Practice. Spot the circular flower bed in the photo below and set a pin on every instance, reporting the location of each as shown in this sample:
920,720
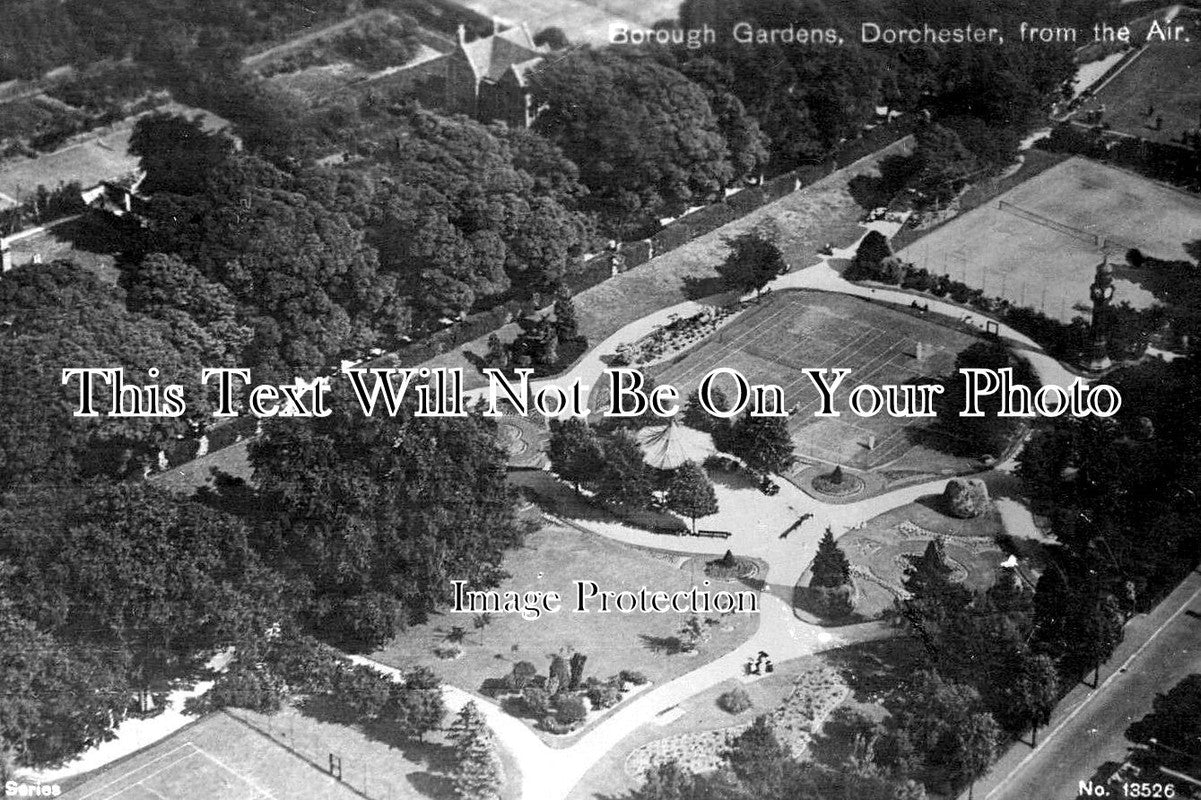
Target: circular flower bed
838,485
741,568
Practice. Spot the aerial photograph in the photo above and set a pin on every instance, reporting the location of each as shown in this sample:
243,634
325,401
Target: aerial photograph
600,399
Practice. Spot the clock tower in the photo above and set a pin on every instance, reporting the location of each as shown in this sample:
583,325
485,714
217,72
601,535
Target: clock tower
1101,293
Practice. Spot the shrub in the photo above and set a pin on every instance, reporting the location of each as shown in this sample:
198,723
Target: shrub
832,602
633,677
536,700
448,651
552,725
570,709
735,701
604,695
523,672
966,498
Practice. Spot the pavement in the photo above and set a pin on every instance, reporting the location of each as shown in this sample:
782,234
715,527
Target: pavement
779,633
1088,728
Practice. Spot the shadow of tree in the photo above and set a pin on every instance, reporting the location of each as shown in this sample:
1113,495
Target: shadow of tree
438,787
662,645
699,288
432,755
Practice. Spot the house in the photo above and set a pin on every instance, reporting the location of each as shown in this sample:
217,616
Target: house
487,78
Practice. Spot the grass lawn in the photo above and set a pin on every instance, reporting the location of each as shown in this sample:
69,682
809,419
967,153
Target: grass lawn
375,761
1165,77
1034,264
218,757
87,241
552,560
878,551
793,330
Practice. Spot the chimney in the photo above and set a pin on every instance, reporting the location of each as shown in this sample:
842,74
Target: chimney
6,256
462,34
495,25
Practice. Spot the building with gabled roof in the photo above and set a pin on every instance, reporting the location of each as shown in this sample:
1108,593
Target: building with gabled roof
486,77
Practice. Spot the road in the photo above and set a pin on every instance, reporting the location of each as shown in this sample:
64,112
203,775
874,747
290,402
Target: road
1089,726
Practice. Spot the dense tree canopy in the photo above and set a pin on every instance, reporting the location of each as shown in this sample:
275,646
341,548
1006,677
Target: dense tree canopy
380,513
645,138
63,316
463,212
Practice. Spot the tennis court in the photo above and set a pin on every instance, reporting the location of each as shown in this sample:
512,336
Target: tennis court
1040,243
791,331
219,758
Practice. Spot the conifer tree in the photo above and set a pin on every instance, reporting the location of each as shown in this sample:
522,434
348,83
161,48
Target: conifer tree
831,568
478,773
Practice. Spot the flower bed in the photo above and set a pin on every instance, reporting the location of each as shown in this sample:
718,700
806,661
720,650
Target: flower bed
815,694
844,487
676,336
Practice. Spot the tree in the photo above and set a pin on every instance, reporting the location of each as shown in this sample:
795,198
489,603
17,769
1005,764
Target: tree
363,690
176,153
831,568
478,773
553,37
570,709
753,261
624,479
498,354
137,570
469,212
691,493
577,670
692,633
308,281
560,672
56,697
872,250
394,504
942,165
977,740
606,109
764,443
64,315
481,622
1035,694
566,326
574,451
523,672
417,704
757,758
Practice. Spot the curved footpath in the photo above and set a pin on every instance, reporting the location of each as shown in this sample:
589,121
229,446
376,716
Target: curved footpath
779,632
822,277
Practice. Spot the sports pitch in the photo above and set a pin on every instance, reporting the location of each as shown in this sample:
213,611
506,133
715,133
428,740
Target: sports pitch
216,759
795,330
1165,78
1049,264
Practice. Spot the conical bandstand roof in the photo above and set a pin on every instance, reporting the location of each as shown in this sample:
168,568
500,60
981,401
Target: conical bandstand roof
669,446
